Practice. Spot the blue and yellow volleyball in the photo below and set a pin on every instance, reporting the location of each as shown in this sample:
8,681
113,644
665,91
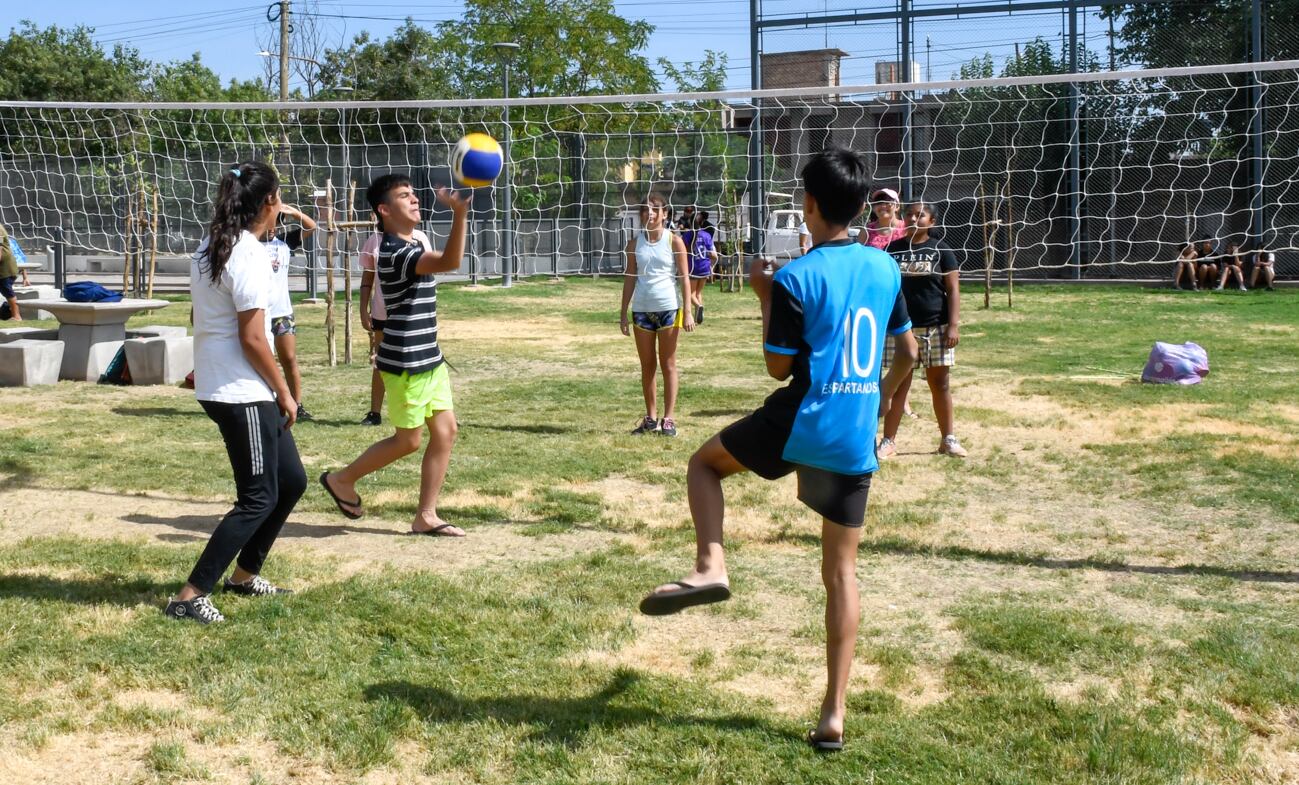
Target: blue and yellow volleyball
476,160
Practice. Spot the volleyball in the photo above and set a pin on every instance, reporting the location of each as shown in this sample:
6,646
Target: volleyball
476,160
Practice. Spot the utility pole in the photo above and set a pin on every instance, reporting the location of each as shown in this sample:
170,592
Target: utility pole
284,49
1075,165
756,176
506,50
904,20
1257,219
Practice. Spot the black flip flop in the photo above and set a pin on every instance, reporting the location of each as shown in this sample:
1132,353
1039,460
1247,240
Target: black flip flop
436,531
823,745
668,602
340,502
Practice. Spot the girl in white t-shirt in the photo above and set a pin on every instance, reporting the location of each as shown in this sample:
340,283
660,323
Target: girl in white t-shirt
240,388
657,287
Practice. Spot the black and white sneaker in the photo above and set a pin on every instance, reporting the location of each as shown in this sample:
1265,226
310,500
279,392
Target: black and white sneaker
373,418
199,609
647,425
257,586
303,414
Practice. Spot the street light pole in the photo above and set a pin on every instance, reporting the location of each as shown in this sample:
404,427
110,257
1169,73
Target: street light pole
507,50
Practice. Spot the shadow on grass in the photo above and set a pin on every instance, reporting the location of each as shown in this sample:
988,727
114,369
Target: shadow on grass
110,589
156,411
962,553
722,412
538,428
205,524
555,720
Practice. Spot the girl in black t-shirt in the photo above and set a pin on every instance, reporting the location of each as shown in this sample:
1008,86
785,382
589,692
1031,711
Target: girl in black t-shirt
932,287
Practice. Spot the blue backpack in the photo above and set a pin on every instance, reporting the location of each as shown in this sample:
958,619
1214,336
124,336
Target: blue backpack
89,292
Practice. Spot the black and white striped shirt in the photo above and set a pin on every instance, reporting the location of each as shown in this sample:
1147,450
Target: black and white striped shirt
410,334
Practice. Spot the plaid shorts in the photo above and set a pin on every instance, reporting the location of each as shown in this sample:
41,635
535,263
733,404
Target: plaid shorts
932,343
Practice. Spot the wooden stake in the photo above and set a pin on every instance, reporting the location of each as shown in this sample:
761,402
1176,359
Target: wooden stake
126,245
1012,241
329,273
987,257
347,277
153,241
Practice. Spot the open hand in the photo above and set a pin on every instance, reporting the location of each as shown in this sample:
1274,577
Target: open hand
458,202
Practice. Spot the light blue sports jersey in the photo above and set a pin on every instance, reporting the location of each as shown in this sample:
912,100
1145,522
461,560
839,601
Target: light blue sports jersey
830,309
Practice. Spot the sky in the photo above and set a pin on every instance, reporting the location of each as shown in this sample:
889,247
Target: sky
226,32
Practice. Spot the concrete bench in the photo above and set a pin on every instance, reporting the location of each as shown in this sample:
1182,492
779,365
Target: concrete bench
158,331
35,293
160,359
29,333
27,363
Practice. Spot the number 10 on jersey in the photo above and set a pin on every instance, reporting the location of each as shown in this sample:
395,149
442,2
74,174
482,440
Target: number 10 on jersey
852,340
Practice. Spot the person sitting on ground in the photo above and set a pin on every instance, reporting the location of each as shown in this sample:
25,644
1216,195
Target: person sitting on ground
1264,267
1206,265
1185,265
1231,266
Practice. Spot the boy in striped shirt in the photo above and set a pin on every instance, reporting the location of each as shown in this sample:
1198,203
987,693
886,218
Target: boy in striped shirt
410,362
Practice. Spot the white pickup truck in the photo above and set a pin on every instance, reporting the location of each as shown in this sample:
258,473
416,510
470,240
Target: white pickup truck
780,237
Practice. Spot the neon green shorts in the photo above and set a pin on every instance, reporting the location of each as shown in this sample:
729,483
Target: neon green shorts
413,398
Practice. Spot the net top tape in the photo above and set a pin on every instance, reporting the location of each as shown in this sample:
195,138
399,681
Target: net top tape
726,95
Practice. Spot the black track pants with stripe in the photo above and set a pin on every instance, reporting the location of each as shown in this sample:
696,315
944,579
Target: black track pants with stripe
269,480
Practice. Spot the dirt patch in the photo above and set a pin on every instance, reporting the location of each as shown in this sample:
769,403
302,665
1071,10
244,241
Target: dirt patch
356,546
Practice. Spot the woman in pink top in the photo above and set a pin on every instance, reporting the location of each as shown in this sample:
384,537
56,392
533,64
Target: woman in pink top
888,225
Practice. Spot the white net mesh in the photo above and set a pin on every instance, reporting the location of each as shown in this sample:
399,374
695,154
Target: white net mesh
1155,158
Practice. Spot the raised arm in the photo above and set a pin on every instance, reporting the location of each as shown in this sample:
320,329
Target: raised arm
308,223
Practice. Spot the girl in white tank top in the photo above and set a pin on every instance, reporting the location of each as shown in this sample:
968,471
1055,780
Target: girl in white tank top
656,285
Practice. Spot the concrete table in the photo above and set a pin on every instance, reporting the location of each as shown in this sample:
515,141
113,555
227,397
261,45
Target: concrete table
91,332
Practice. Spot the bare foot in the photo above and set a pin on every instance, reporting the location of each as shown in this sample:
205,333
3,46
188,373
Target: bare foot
428,522
830,728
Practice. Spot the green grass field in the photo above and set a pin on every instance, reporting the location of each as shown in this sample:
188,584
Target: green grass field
1106,591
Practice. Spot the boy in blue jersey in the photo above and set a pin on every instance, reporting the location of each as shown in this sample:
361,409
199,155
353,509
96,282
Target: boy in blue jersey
824,317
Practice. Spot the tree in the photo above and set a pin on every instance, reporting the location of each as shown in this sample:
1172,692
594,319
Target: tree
65,64
570,47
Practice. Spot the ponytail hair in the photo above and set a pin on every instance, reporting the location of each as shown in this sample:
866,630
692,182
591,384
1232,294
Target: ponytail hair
243,191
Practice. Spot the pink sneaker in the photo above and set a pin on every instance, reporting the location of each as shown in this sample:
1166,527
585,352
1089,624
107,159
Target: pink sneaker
887,449
951,446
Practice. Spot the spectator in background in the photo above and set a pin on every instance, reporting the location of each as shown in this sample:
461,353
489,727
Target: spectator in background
1206,265
1231,266
1185,264
686,222
1264,267
804,238
887,225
